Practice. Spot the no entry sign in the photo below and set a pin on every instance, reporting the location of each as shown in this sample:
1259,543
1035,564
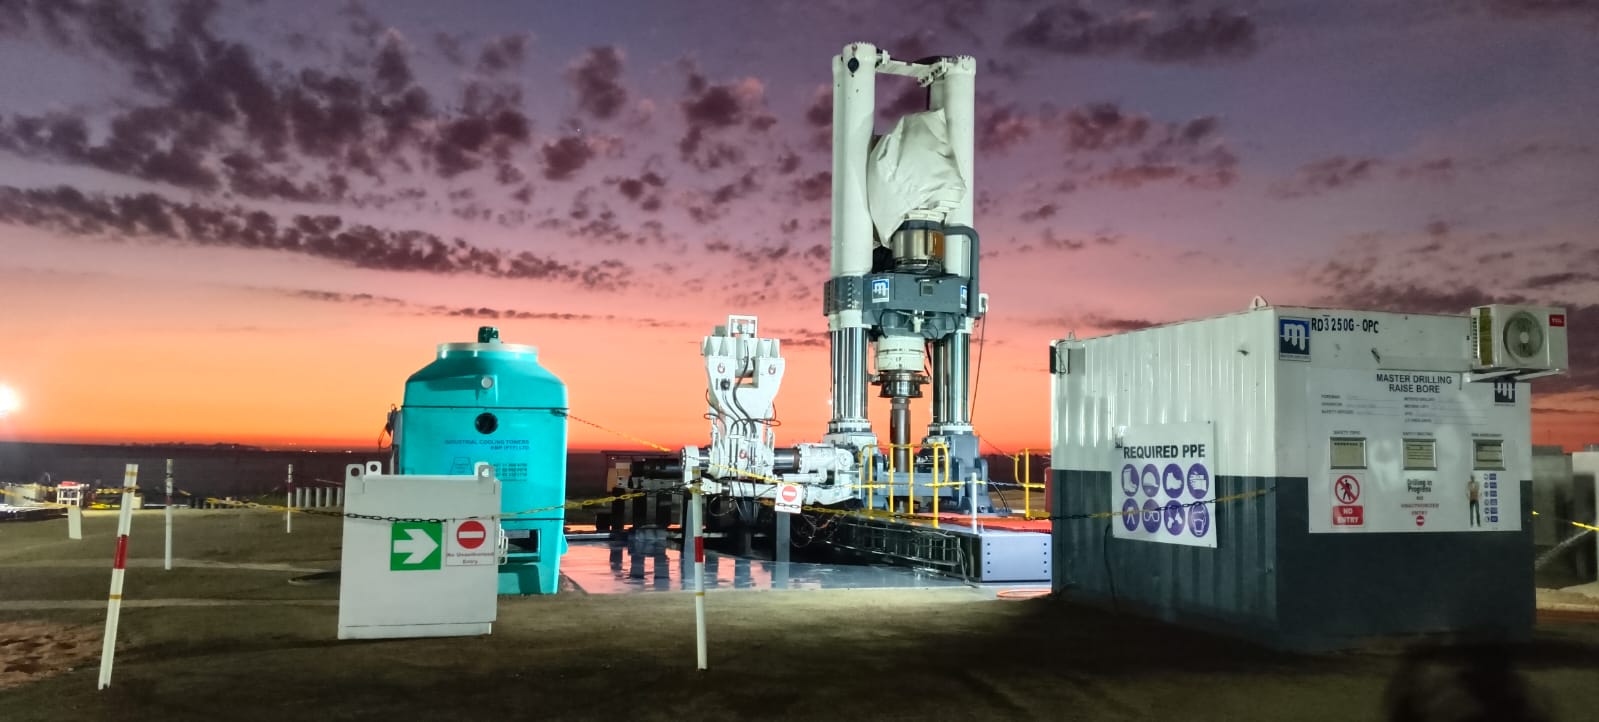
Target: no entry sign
470,534
789,498
470,542
1347,510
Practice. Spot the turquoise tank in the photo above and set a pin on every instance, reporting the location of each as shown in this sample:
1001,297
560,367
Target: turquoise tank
491,401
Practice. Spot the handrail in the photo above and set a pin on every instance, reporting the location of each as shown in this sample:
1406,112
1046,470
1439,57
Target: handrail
942,471
867,472
1024,478
937,447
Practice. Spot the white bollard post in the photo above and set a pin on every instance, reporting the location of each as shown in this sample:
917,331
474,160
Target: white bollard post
74,522
288,511
697,521
338,497
113,611
168,556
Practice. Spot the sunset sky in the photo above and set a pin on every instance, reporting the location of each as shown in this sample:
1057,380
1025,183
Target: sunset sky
249,222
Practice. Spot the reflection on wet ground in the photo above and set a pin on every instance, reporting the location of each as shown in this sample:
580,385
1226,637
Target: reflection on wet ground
620,567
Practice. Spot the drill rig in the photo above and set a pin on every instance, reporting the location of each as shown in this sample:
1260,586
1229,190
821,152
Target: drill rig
902,296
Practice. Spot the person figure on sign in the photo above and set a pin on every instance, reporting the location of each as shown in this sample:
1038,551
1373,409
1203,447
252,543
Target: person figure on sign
1472,493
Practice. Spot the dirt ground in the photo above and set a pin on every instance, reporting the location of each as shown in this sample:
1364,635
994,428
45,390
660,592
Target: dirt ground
224,635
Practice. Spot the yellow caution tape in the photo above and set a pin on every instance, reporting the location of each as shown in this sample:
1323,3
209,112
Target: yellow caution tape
579,504
1578,524
862,513
31,500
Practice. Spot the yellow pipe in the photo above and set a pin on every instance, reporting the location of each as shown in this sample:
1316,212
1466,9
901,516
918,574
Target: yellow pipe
891,478
1025,476
866,469
935,484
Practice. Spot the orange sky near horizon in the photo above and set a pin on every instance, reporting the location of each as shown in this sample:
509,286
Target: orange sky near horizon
217,364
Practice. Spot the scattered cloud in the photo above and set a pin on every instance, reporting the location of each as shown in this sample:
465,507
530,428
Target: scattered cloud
711,111
451,47
1437,170
912,46
565,156
1176,34
1327,175
910,98
799,337
643,190
1562,278
503,54
1108,146
596,77
819,118
593,220
1104,126
1092,322
1048,210
215,116
1544,8
480,312
1001,126
815,187
362,299
71,212
1116,324
1051,241
739,188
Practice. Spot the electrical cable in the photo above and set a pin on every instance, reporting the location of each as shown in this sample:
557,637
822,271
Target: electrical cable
977,385
977,373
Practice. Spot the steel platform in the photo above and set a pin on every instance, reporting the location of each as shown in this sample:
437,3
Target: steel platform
982,555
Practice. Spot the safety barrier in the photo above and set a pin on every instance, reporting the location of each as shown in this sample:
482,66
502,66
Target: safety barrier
318,497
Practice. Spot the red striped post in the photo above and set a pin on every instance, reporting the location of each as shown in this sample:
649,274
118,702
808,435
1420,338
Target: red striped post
697,529
113,611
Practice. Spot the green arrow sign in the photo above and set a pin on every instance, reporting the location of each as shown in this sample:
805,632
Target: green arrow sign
415,546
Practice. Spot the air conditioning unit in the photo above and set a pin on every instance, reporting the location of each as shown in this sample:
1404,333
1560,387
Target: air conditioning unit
1527,341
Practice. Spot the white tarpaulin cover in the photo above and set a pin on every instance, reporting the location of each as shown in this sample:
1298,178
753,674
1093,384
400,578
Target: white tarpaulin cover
912,168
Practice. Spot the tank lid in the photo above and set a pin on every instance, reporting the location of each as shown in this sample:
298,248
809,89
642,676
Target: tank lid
488,340
495,347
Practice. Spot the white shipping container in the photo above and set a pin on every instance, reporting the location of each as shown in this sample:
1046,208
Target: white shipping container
1377,412
1311,478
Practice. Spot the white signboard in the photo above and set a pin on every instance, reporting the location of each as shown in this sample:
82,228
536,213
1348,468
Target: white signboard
1163,480
471,542
1395,451
789,498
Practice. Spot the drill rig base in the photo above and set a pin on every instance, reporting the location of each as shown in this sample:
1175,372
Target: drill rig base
980,556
